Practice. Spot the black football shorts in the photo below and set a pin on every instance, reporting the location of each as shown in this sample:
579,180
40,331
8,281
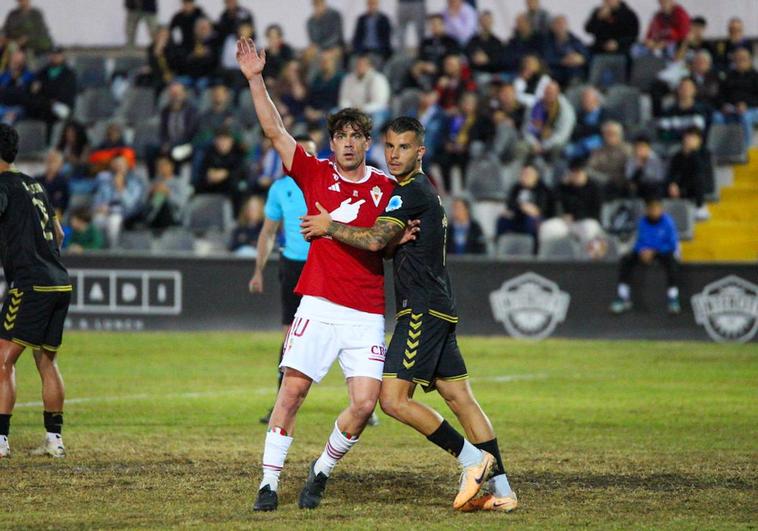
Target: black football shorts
424,349
35,316
289,274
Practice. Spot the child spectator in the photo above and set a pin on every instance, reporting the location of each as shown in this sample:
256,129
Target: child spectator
644,170
167,198
529,202
223,168
656,241
688,170
81,234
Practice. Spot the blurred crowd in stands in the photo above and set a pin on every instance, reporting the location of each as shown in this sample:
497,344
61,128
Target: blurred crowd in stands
532,134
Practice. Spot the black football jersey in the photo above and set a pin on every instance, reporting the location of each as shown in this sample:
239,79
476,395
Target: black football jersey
421,279
28,249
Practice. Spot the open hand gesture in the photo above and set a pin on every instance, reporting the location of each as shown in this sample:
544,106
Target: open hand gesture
250,60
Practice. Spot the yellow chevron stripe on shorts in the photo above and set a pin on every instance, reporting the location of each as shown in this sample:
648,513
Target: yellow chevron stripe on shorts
52,289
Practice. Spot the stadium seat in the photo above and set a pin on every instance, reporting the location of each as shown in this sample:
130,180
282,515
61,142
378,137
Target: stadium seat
91,72
32,138
486,213
727,144
623,103
710,187
607,70
146,133
514,245
574,95
175,240
128,65
620,217
136,240
645,71
396,68
207,212
683,213
559,249
485,181
138,105
94,104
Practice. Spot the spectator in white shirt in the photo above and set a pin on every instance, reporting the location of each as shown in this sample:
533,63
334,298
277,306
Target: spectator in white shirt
367,89
461,21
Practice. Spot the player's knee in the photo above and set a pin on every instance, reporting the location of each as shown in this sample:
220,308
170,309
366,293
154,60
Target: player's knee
392,405
363,407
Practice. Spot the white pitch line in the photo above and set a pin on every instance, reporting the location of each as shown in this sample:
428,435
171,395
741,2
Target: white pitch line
505,378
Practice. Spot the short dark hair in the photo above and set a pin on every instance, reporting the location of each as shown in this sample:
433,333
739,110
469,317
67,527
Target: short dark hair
8,143
699,20
83,213
358,120
642,138
404,124
693,130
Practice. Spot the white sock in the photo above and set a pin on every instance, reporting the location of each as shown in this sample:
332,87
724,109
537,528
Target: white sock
4,439
673,292
53,436
624,291
500,485
470,455
336,448
274,454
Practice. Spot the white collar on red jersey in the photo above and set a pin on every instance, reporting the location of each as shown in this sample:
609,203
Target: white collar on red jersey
366,176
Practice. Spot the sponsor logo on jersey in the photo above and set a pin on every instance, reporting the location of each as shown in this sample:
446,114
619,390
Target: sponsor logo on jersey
335,187
395,202
728,309
376,195
530,306
347,212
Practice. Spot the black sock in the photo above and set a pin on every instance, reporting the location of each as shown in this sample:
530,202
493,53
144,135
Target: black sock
5,424
447,438
492,448
53,421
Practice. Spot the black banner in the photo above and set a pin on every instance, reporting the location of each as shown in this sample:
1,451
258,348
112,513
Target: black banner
518,298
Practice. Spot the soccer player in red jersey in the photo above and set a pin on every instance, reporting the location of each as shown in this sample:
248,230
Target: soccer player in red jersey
341,315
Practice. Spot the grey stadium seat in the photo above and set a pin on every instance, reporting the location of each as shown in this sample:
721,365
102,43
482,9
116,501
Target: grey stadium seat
624,104
514,245
32,138
175,240
620,216
727,144
145,133
683,213
135,240
559,249
485,180
645,71
607,70
91,72
207,212
95,104
396,69
407,103
138,105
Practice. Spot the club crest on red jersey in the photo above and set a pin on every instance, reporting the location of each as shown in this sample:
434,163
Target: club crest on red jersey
376,195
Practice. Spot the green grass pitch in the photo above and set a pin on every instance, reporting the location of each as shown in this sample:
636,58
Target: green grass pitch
162,431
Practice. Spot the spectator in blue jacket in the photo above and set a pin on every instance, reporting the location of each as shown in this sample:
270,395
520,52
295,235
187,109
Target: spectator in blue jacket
656,240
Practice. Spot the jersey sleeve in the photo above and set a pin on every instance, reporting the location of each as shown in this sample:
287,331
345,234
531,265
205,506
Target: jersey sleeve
273,208
405,204
304,167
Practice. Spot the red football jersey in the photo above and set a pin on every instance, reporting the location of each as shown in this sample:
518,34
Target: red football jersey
337,272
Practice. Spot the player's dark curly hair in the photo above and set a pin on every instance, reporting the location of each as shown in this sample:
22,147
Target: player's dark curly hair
8,143
404,124
358,120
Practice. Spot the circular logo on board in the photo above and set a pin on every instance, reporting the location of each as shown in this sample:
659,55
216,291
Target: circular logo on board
728,309
530,306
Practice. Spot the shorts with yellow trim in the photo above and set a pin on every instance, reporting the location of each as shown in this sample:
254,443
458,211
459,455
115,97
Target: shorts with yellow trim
35,316
424,349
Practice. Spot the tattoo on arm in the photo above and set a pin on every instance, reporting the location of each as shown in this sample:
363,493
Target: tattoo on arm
369,238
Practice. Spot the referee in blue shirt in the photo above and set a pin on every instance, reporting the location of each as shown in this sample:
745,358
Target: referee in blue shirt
285,204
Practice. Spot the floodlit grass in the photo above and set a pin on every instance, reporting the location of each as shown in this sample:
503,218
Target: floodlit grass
162,431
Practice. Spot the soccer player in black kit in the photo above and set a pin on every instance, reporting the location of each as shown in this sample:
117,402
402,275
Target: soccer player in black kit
39,292
424,349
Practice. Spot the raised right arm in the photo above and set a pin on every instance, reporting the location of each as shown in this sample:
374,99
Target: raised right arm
251,64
